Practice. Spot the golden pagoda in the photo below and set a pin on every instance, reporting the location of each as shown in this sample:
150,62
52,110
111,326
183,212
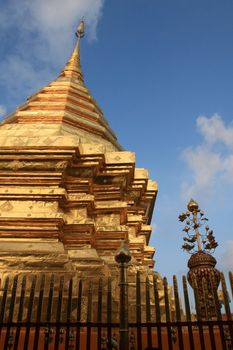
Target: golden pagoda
69,193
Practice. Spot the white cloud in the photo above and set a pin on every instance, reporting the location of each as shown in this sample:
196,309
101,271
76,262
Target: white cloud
56,20
51,18
42,33
57,15
208,164
214,130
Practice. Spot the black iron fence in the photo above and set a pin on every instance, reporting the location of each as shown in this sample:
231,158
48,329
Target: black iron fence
56,312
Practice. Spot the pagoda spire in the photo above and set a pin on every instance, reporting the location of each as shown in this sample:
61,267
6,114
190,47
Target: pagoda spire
72,68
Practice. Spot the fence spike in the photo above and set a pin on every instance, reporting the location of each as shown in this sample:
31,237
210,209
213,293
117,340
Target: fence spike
225,297
11,311
157,311
89,312
29,312
99,312
138,310
231,282
218,311
68,313
186,299
79,313
3,301
188,312
20,311
148,313
167,313
49,313
39,312
177,299
227,306
109,310
58,314
166,299
178,312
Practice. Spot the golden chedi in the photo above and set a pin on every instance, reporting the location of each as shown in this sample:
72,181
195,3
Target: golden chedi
69,193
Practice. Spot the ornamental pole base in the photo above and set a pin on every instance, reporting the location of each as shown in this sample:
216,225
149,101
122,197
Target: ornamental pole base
205,278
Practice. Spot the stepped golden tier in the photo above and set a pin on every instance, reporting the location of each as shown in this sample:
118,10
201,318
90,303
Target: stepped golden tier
69,193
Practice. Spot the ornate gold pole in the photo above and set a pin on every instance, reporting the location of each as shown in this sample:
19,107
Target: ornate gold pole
202,273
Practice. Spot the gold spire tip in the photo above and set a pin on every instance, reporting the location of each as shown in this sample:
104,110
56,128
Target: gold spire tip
80,29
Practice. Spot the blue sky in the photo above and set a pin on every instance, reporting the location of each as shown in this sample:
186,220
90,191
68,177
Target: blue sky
162,72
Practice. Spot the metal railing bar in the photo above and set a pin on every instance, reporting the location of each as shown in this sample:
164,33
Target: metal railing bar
39,312
178,312
167,312
138,311
99,313
58,334
188,313
29,313
148,313
89,314
68,314
79,312
11,311
157,311
20,312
